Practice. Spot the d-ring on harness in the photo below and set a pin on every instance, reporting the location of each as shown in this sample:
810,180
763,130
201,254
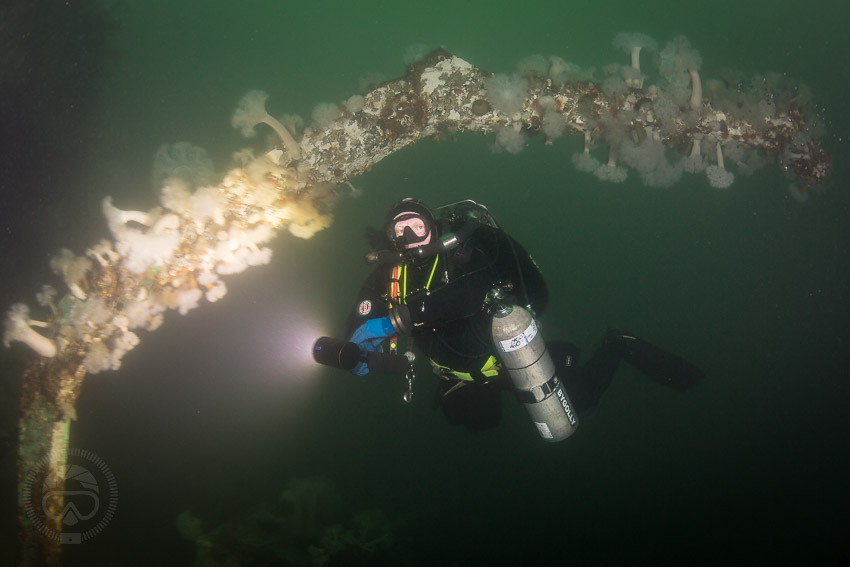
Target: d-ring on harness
410,376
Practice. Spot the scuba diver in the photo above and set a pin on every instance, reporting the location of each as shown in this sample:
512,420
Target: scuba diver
468,295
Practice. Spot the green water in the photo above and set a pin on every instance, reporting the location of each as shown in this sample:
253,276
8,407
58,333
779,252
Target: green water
749,468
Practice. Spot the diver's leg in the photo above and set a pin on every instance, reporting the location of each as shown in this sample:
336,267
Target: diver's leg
584,384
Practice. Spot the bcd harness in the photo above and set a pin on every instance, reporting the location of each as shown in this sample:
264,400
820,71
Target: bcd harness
398,295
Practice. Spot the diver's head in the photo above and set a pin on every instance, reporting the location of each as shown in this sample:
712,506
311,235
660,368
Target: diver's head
410,225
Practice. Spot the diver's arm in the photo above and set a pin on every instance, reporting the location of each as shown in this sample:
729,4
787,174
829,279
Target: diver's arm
370,302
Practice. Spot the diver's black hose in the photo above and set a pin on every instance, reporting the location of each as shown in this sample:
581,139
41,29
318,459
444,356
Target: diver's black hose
386,362
519,270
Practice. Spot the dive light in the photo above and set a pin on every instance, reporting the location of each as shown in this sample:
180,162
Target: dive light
334,352
345,355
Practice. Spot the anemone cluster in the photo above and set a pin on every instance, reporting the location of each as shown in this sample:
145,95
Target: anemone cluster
643,117
169,257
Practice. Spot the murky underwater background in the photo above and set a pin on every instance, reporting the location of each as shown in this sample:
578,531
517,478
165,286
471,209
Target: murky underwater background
220,410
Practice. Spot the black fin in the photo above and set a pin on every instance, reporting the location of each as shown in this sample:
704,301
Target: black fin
659,365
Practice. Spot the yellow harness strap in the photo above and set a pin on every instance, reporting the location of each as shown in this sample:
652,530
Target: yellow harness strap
398,281
490,369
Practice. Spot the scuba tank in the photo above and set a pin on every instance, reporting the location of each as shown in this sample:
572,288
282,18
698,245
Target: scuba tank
524,355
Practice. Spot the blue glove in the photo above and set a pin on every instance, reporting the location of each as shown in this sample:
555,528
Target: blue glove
370,334
368,337
360,369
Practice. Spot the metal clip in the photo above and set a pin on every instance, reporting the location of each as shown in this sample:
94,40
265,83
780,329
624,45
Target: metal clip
410,376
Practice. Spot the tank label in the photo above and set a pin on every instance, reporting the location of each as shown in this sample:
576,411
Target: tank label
565,403
544,431
519,341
